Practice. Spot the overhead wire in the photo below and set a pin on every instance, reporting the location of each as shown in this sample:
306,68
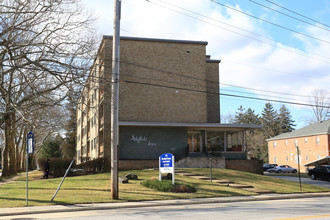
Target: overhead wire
275,44
278,5
204,80
223,94
138,76
290,16
272,23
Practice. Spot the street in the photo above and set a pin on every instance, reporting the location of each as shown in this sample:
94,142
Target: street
307,208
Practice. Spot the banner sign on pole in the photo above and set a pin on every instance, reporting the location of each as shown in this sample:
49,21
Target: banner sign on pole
30,143
166,165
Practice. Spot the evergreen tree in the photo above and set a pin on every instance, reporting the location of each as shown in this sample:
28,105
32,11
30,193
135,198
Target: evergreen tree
270,121
246,116
286,120
51,147
69,145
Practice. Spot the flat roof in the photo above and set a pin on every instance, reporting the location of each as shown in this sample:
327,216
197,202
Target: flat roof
157,40
199,126
319,161
213,61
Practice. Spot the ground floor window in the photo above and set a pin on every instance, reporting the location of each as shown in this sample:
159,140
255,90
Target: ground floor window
215,141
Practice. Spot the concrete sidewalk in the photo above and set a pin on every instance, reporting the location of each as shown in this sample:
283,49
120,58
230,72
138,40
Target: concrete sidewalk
102,206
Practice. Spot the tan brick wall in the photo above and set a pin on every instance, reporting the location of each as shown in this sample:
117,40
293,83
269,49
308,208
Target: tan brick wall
162,65
213,97
310,151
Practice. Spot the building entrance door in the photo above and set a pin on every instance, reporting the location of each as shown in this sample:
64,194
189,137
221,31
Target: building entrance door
195,142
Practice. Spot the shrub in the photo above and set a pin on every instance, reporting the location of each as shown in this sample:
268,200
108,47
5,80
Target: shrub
94,166
167,186
57,166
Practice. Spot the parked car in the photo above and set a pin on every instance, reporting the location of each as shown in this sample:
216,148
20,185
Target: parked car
283,169
267,166
321,171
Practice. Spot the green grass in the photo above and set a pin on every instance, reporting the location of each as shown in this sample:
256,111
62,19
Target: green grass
96,188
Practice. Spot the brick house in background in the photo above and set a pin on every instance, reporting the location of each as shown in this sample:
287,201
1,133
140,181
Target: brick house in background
313,143
168,103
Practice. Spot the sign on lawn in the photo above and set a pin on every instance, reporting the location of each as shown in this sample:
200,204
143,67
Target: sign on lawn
166,165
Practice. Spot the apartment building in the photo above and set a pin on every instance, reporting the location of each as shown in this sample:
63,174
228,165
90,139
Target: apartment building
313,144
168,103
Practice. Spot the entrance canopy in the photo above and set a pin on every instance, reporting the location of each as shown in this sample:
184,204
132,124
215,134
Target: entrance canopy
322,161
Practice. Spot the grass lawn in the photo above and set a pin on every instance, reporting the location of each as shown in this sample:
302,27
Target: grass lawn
96,188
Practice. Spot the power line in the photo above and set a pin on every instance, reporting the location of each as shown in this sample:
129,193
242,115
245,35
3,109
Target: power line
275,44
223,94
272,23
297,13
260,90
208,81
306,22
129,75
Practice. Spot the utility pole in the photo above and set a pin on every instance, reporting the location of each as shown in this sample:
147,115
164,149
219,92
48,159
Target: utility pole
115,100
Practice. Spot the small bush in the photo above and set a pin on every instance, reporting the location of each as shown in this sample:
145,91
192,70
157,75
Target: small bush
57,166
167,186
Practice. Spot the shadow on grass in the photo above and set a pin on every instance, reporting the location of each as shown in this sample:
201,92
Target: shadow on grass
36,200
62,189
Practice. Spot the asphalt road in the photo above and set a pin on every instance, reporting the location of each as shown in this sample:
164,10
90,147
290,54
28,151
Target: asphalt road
317,182
307,208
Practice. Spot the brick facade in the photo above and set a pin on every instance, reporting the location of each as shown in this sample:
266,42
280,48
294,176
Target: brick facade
284,151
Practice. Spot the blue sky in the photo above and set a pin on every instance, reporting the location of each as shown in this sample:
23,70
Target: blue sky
258,59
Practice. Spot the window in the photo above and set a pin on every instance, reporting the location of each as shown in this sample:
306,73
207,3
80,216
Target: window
286,142
318,156
295,142
275,160
305,140
306,157
317,140
287,158
274,144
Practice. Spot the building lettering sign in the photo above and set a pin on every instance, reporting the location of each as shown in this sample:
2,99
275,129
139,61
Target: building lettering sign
142,139
166,165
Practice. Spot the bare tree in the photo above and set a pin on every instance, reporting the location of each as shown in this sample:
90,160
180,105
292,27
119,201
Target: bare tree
46,48
320,102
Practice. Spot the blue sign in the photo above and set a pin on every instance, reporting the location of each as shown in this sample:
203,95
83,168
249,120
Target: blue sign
30,143
166,160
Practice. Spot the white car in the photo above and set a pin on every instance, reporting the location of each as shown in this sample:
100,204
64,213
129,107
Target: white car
283,169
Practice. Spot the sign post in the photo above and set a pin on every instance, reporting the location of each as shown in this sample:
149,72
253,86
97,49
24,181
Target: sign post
298,152
166,165
29,150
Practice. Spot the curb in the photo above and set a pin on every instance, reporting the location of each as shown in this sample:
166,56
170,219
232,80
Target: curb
103,206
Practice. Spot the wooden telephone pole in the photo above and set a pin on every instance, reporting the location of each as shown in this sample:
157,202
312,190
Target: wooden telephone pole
115,100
